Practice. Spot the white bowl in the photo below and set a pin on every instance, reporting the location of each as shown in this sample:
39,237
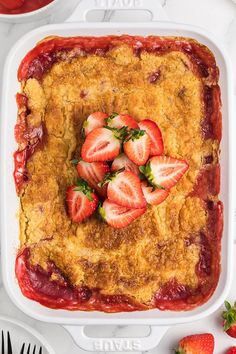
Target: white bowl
33,15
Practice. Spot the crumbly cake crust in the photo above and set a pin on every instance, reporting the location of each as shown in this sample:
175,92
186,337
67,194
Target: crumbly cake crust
163,245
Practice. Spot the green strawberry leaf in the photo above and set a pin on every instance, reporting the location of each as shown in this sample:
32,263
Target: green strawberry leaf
74,161
147,172
82,186
135,134
180,351
229,316
101,211
142,169
85,123
109,177
227,305
119,134
112,116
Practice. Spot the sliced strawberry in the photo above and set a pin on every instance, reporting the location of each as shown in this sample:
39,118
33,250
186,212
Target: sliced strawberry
231,350
94,120
93,173
12,4
157,146
197,344
102,144
124,188
121,120
153,196
81,201
119,216
164,171
229,317
122,161
137,146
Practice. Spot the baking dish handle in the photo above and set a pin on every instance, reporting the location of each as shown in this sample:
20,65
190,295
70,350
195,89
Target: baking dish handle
153,6
116,344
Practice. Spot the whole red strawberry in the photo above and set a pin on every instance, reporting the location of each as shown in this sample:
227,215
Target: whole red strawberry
196,344
231,350
229,317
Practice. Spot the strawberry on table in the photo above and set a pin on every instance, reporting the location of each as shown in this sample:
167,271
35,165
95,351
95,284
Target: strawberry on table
163,171
231,350
137,146
196,344
102,144
119,216
229,317
121,120
94,120
93,173
157,146
81,201
153,196
122,161
124,188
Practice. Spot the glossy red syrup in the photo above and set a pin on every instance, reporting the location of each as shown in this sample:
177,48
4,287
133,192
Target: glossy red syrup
35,284
178,297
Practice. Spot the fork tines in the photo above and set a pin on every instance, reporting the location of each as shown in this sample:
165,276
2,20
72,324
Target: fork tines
6,349
28,350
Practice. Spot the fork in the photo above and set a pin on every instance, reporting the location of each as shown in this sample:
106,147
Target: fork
23,350
6,349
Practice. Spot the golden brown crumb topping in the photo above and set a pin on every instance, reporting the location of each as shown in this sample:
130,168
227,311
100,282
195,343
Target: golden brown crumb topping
139,259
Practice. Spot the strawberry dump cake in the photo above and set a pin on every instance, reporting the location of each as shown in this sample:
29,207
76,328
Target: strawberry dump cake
118,211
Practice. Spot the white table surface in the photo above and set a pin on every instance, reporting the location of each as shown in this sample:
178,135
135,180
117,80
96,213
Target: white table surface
217,16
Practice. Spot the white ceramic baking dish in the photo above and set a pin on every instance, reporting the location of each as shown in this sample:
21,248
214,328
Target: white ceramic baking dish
74,321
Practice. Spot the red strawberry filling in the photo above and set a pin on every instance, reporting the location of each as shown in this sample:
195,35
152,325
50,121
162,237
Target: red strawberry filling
36,284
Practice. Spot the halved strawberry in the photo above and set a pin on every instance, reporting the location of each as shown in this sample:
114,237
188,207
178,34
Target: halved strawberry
153,196
119,216
163,171
122,161
94,120
93,173
12,4
81,201
229,317
102,144
121,120
124,188
231,350
137,146
157,146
